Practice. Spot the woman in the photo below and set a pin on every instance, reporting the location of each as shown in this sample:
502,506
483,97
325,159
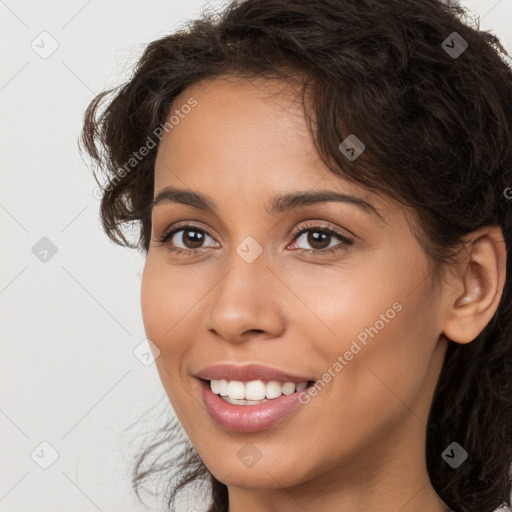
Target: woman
321,189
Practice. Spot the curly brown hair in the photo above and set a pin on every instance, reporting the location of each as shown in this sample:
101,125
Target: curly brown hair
436,118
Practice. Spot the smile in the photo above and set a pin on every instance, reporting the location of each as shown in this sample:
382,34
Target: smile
253,392
246,415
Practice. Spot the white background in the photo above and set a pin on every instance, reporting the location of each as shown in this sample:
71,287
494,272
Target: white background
69,326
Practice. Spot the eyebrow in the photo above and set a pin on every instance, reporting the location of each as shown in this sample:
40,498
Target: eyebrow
278,204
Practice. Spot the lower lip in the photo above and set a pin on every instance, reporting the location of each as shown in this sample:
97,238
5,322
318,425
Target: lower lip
248,418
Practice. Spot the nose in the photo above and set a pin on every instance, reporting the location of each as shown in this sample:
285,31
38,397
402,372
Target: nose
246,301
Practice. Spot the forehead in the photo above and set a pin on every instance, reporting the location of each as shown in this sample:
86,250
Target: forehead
244,138
255,127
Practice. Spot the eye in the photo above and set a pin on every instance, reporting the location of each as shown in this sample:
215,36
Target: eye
189,239
186,238
322,239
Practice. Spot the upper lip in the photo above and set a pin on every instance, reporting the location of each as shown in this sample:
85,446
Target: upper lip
248,372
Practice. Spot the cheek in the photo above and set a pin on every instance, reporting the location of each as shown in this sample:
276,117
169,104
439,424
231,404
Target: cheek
166,303
152,297
390,359
164,318
383,325
171,311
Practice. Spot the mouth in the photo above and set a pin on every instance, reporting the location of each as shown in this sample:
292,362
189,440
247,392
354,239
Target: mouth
254,410
254,392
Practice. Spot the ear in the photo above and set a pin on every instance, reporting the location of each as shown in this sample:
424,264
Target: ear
476,286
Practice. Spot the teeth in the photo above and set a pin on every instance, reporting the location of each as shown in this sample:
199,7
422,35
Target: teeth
254,391
242,402
215,386
223,387
273,389
289,387
236,389
301,386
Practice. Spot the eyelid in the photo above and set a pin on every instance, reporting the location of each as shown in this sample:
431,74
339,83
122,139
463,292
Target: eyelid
184,225
318,225
322,225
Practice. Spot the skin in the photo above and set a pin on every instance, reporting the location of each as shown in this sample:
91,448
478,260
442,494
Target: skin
359,444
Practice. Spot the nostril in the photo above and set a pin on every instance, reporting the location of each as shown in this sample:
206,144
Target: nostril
257,331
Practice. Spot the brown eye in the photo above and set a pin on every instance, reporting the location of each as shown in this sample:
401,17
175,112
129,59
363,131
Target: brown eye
187,238
320,240
317,240
191,238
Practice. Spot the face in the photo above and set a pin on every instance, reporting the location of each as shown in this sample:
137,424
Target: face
335,290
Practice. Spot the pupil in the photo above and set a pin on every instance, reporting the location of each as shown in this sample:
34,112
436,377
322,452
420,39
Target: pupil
193,239
315,238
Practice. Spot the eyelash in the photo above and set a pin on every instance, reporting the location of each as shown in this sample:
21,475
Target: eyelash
344,241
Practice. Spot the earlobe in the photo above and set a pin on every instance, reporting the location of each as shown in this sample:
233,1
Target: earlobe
481,278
